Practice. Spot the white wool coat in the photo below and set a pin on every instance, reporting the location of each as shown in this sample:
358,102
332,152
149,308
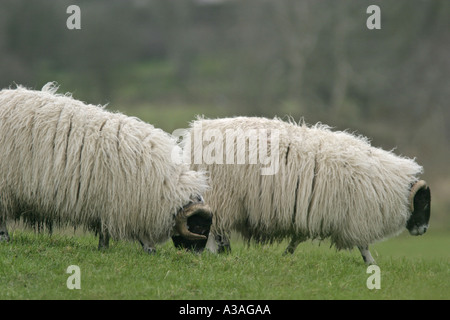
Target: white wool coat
78,164
329,184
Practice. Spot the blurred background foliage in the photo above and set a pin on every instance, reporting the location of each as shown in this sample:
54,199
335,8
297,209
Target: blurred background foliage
166,61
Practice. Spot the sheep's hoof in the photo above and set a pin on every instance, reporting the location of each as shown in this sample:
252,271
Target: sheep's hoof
102,247
367,257
288,251
149,250
371,263
369,260
4,236
224,249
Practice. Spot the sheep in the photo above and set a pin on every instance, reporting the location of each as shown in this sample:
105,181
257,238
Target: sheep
67,163
321,184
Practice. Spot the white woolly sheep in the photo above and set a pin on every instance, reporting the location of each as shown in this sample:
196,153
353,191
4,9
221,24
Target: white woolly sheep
73,164
322,184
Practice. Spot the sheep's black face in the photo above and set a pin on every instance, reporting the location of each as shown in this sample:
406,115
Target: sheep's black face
418,221
196,224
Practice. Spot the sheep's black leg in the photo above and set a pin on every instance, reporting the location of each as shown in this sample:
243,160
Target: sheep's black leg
296,240
223,244
103,240
50,227
365,253
4,236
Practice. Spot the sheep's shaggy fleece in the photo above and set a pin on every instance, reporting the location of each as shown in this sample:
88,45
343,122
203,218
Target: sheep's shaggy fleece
330,184
76,164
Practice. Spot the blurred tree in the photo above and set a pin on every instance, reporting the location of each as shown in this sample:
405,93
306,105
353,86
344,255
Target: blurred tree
306,58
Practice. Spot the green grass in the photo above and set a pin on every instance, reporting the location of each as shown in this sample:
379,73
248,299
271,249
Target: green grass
33,266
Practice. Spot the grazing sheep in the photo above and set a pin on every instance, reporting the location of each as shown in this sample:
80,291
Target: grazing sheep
66,163
324,184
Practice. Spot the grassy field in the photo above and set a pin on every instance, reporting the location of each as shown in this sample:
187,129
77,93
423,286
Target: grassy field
33,266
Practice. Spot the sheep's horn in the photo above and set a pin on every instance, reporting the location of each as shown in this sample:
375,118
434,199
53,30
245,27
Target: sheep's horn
185,213
416,187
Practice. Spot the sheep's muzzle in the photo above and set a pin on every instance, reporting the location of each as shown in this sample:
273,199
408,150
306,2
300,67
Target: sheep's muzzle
194,221
420,205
